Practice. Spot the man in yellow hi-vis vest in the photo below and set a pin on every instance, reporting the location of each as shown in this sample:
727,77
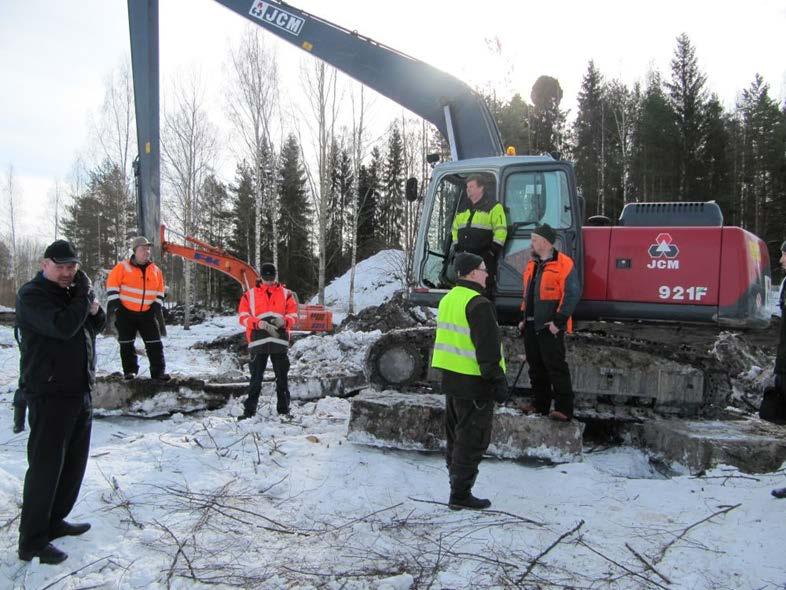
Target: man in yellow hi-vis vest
480,227
468,350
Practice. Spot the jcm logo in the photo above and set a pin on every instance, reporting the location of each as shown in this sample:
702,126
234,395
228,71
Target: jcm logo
207,259
664,253
277,17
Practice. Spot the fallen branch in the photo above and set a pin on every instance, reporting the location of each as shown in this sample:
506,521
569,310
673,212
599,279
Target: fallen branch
622,567
486,511
694,525
76,571
647,564
537,558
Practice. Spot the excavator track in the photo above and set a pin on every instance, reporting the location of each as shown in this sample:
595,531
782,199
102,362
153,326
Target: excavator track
619,370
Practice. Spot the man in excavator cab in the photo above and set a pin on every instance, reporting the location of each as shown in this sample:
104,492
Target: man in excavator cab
480,227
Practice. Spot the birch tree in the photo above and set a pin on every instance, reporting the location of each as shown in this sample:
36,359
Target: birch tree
113,136
188,148
358,148
321,92
11,198
55,196
251,101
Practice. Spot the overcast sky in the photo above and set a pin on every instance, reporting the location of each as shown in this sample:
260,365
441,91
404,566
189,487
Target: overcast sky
55,56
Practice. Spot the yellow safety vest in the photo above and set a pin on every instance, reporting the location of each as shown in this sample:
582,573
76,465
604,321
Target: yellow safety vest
453,347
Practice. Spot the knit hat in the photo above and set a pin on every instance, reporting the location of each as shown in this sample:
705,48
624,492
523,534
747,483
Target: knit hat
466,262
140,241
268,271
61,252
546,232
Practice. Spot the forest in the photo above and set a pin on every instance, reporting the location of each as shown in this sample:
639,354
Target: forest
316,188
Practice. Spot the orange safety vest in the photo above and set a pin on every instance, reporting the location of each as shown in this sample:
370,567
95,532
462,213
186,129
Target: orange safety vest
265,302
552,282
136,288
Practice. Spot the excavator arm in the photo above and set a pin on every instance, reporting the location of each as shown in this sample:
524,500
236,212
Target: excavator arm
458,112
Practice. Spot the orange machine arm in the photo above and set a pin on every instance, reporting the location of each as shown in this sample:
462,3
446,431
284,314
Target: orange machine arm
212,257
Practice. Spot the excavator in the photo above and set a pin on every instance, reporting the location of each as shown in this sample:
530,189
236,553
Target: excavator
663,275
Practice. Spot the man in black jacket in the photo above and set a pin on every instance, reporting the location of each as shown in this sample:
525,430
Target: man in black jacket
58,320
468,349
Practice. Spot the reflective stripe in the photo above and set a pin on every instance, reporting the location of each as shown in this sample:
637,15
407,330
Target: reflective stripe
135,290
124,297
499,242
151,341
112,297
453,327
266,340
125,341
243,313
475,225
454,350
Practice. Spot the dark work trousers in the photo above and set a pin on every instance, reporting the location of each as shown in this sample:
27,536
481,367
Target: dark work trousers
468,433
490,289
549,374
128,323
281,369
57,453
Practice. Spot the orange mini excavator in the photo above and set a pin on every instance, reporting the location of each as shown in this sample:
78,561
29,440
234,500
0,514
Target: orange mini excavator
310,318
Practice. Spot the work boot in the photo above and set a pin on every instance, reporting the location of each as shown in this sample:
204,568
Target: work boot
469,501
162,377
779,493
558,416
47,554
129,376
68,529
246,415
19,419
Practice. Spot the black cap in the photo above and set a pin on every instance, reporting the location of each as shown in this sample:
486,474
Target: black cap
61,252
546,232
268,271
466,262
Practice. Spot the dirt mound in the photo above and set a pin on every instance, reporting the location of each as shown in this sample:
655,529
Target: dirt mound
394,314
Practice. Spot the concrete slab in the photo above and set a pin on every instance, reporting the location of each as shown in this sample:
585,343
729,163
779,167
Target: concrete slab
415,421
753,446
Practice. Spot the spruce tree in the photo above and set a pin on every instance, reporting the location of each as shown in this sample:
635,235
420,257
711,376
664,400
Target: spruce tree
547,121
296,263
241,241
390,214
368,201
688,101
588,130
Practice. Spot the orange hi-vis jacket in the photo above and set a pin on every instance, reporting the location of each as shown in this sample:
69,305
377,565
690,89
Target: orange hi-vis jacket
557,291
266,302
135,287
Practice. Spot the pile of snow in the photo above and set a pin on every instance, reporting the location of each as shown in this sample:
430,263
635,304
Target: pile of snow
376,280
3,308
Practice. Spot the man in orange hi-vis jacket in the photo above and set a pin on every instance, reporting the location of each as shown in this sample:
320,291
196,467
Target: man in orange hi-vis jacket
135,294
268,312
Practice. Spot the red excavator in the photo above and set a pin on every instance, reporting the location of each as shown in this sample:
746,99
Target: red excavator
673,263
310,318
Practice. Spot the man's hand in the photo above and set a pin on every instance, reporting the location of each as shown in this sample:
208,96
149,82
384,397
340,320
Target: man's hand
276,321
268,327
501,393
521,327
82,284
94,307
553,328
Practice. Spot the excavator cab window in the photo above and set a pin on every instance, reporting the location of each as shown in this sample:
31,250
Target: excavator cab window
436,264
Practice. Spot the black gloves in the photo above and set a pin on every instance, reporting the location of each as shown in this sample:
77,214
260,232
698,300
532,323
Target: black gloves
501,393
83,286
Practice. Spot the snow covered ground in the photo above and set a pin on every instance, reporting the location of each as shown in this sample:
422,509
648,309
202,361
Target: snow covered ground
203,501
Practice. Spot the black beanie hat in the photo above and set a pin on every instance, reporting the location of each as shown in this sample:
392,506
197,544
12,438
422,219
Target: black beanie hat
268,271
546,232
466,262
61,252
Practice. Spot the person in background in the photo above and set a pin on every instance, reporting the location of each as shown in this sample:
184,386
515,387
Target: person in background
58,319
268,312
135,295
551,292
468,350
480,227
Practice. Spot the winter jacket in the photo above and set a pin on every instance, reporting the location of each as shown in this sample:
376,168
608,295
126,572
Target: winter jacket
480,228
57,339
485,335
135,286
553,288
271,303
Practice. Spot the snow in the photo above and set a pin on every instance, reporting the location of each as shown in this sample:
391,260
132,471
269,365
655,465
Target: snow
202,500
3,308
377,279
